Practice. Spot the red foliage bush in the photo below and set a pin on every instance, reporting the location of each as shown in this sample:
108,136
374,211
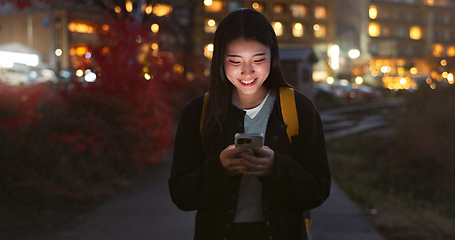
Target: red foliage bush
154,103
95,135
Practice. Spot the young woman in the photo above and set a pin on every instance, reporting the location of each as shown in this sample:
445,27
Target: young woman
237,195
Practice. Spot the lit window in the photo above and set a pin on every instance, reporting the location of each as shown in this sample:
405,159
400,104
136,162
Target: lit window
258,6
450,78
437,50
149,9
373,12
298,10
320,12
129,6
213,5
374,29
451,51
208,51
415,33
210,26
278,27
297,30
81,51
279,8
334,56
320,30
161,10
80,27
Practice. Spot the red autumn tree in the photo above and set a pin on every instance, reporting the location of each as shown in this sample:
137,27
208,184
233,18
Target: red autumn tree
99,131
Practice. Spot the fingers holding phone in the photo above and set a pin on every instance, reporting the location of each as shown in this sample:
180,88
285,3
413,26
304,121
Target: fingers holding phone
231,161
261,164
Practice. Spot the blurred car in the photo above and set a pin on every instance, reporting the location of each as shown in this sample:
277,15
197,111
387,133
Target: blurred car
364,92
21,74
15,75
41,75
343,89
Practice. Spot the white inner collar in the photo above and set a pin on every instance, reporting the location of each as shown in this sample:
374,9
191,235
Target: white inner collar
254,111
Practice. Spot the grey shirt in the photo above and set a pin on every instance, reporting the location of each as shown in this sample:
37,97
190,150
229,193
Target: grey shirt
249,203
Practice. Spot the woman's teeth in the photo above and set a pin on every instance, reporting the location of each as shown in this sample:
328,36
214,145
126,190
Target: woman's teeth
247,82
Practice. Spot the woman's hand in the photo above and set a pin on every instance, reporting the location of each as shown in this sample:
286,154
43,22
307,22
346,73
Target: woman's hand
231,160
261,164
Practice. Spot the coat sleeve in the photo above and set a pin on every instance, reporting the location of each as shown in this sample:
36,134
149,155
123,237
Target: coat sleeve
196,179
303,177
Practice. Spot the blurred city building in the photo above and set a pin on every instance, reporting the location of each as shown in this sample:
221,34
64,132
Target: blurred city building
401,43
62,33
60,36
395,44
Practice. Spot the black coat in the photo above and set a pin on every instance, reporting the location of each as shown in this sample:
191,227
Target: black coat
300,181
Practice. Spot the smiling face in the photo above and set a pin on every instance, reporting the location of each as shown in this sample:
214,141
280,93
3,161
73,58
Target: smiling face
247,66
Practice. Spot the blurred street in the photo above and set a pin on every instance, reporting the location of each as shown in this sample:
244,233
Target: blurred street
145,210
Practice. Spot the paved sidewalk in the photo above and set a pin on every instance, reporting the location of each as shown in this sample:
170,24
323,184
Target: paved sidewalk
340,219
145,212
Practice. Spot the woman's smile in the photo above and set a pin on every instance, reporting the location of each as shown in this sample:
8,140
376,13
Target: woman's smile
248,82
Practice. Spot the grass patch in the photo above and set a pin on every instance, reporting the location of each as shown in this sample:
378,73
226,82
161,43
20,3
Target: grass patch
398,211
404,182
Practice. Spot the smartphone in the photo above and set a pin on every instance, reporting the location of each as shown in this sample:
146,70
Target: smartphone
249,140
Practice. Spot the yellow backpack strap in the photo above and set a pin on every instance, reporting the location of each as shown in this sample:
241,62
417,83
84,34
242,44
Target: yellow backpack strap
289,111
204,106
307,218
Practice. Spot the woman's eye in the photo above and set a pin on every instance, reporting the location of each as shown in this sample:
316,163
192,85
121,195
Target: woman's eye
234,62
259,60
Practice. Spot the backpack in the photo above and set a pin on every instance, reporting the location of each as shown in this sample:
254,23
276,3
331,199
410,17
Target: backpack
289,112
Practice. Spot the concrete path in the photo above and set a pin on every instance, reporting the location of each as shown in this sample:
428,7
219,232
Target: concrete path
145,212
340,219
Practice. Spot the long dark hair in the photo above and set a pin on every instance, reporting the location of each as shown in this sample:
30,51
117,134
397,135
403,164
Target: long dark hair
250,25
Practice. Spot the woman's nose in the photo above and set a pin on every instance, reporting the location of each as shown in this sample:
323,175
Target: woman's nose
247,68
